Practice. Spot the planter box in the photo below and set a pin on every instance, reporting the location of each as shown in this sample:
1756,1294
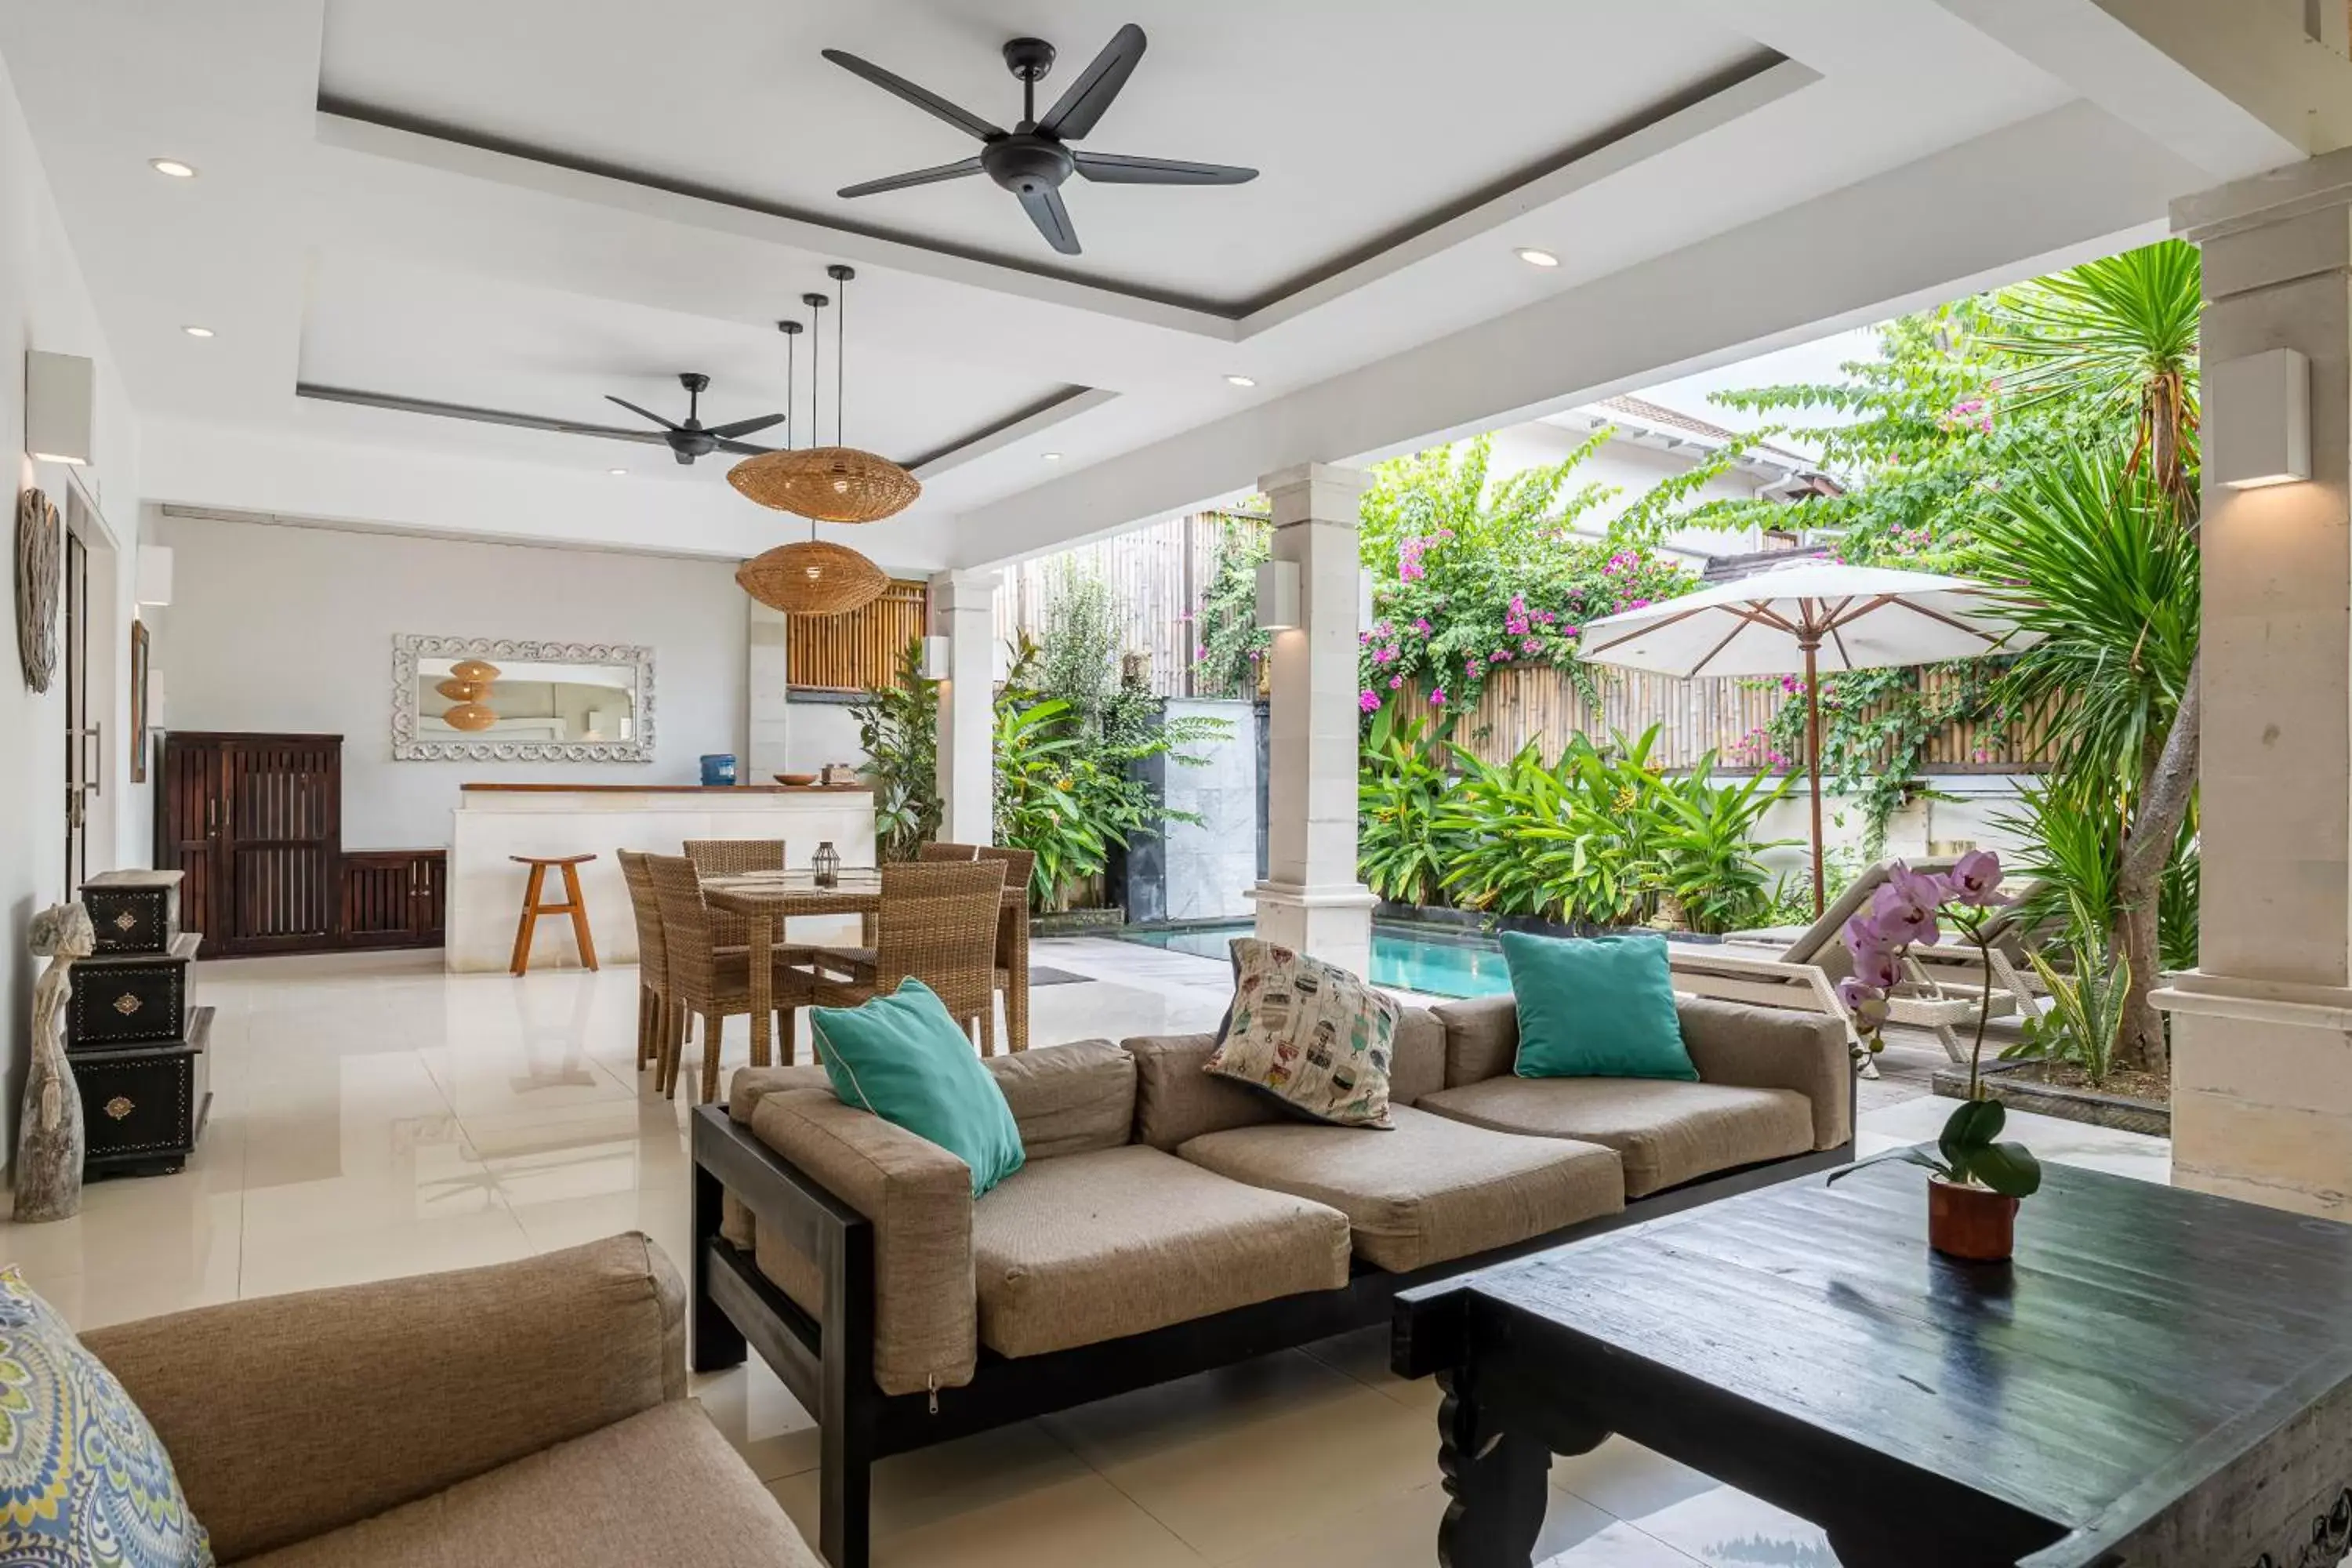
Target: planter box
1078,922
2011,1083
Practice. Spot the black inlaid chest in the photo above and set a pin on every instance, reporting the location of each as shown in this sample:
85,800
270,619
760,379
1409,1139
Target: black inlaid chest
143,1106
134,911
130,998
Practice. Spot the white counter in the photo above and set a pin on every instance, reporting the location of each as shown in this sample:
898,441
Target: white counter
493,822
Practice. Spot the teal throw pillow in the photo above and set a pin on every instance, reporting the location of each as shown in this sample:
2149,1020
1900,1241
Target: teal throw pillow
1595,1007
84,1480
902,1057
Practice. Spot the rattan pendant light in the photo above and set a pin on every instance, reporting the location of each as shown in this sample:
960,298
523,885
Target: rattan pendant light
812,577
828,484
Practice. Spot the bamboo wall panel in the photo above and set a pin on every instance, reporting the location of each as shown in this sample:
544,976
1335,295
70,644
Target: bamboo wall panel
1728,716
860,649
1156,574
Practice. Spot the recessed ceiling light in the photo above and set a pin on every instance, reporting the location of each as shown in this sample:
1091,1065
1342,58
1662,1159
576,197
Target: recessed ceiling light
1051,457
618,473
197,331
1242,379
1534,257
172,167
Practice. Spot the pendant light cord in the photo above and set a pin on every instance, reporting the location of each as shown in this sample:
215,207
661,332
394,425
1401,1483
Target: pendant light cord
840,362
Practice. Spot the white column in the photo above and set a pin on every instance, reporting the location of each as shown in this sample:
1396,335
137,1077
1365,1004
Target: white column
2262,1027
963,609
1311,899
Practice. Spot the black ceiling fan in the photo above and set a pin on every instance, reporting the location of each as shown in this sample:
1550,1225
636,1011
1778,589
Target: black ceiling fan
694,439
1033,158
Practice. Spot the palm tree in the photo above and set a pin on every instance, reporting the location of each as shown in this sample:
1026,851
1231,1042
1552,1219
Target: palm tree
2110,552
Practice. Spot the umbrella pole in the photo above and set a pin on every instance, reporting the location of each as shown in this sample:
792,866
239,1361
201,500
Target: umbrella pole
1813,766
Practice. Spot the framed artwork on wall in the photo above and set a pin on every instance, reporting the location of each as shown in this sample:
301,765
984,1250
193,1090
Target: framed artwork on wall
137,701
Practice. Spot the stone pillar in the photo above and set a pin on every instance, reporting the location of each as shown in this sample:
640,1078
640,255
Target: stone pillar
1311,899
963,609
2262,1027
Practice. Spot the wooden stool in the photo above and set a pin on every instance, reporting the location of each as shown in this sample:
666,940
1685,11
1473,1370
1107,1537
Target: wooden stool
572,905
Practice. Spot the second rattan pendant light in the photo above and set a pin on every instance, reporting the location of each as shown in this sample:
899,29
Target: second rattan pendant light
811,578
828,484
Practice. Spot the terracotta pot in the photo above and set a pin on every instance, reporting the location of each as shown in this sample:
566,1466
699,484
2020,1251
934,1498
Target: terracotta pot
1972,1223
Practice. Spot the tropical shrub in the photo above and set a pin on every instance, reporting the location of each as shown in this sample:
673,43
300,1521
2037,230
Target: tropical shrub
898,728
1706,847
1401,853
1231,646
2086,1014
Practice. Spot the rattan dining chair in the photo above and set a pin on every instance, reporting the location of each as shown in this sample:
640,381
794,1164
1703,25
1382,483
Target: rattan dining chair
935,853
1019,864
709,981
732,857
658,1015
937,925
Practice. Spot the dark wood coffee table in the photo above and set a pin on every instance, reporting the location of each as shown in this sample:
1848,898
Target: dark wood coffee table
2160,1379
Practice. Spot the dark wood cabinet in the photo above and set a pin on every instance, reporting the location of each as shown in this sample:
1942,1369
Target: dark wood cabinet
255,822
394,898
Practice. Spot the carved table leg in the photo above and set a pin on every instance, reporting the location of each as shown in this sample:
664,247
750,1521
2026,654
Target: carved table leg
1495,1477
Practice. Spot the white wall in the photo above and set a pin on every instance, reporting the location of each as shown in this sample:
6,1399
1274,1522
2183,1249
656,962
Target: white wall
282,629
45,305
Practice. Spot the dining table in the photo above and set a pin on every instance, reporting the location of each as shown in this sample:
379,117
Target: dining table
766,900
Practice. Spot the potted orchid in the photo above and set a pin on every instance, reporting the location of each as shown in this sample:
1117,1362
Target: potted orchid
1976,1182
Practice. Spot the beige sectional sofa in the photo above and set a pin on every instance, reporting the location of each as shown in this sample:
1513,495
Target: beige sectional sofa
528,1413
1167,1220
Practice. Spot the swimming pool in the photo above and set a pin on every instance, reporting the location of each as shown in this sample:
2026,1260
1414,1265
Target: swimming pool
1410,958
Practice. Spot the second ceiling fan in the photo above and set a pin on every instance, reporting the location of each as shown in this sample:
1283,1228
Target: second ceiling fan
1034,157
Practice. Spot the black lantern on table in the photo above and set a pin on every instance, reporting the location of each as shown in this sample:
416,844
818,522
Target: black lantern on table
826,865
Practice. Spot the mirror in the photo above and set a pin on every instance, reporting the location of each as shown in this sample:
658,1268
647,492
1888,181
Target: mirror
482,699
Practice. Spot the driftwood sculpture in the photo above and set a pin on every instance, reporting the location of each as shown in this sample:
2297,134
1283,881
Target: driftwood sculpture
49,1143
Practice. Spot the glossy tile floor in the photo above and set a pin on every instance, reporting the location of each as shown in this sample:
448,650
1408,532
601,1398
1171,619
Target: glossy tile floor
375,1117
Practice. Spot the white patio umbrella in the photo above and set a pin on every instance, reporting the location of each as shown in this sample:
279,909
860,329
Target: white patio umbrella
1809,617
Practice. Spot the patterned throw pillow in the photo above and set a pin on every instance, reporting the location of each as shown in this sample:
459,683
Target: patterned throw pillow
84,1480
1313,1035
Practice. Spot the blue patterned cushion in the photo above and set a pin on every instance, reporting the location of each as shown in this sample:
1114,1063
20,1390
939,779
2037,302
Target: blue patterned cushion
84,1480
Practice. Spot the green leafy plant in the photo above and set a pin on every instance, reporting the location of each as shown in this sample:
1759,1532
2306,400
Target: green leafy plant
898,728
1706,847
2086,1014
1078,657
1226,658
1402,851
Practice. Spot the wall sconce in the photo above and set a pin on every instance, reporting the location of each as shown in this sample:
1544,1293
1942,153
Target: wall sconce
2258,420
59,398
1277,594
154,574
938,658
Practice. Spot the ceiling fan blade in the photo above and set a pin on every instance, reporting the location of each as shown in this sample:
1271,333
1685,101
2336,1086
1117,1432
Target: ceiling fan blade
642,413
741,448
1044,208
1074,113
1120,169
744,427
922,98
918,177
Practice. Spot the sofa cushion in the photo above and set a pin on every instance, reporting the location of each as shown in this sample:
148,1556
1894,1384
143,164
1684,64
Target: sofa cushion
1314,1036
1068,1100
1482,1038
1597,1007
1117,1241
660,1486
1176,1100
919,1198
1667,1133
907,1059
1430,1191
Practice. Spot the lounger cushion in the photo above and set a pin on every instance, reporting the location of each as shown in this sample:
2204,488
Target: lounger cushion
1667,1133
1430,1189
1098,1245
660,1486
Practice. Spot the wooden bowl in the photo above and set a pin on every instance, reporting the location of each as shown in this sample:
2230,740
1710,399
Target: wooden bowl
796,780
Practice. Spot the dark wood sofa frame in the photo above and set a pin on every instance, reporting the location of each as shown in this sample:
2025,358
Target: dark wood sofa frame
828,1365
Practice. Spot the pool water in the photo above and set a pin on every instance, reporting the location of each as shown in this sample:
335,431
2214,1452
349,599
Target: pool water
1436,963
